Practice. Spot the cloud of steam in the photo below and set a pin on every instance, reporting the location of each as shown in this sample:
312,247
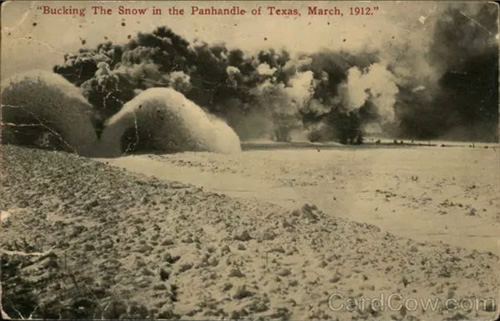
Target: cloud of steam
375,84
285,99
265,70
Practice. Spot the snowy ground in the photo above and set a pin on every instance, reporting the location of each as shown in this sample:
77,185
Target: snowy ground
265,235
425,193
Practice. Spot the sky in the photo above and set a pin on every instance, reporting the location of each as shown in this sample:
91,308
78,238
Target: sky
32,40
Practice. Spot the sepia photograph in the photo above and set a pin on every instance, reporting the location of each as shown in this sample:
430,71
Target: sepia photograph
250,160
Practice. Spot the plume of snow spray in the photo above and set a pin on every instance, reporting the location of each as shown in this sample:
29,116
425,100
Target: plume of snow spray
40,104
162,119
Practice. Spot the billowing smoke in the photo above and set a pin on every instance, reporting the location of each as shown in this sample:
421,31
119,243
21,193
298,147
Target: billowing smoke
447,87
162,119
282,103
43,109
375,84
460,98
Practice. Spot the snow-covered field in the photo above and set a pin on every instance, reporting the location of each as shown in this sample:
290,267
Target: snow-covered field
281,234
426,193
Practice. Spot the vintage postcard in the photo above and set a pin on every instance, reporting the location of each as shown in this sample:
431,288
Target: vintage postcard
249,160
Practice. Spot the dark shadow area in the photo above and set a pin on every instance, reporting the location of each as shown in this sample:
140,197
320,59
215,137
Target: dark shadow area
29,132
137,141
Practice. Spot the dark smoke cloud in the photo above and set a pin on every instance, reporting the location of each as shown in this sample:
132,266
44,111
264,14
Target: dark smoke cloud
463,103
448,89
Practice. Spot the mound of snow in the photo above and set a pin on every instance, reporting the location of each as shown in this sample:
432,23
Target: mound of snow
40,105
162,119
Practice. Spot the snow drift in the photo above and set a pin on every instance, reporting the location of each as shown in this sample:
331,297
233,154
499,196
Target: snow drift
162,119
40,105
